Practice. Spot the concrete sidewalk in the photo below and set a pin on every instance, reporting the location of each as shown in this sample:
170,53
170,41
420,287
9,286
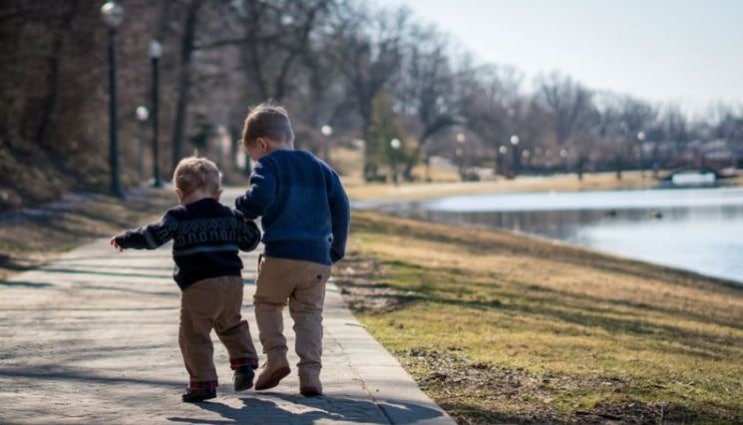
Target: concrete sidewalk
92,339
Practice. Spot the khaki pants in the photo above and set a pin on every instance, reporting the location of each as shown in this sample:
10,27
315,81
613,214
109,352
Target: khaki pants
213,304
302,284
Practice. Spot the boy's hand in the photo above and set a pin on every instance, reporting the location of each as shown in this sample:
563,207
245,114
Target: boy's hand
114,244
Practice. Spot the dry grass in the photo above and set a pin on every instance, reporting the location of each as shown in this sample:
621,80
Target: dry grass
555,333
561,183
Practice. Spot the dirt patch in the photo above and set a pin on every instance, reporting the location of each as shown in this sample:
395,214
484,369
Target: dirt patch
362,292
463,387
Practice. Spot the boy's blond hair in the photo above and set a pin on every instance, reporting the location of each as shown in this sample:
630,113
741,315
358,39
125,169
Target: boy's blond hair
197,173
268,121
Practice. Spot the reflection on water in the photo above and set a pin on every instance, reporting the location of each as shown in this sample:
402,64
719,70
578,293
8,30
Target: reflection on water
698,230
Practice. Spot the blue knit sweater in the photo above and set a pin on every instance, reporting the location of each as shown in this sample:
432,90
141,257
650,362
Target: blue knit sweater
304,210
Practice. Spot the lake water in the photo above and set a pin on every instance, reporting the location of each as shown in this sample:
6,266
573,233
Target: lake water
700,230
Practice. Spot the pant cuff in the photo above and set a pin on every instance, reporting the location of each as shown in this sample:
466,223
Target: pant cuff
243,361
205,385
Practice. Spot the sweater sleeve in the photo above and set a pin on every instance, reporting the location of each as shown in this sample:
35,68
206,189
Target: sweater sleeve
248,234
150,236
261,194
340,215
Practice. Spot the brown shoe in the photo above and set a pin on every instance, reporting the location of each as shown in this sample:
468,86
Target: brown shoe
309,384
272,372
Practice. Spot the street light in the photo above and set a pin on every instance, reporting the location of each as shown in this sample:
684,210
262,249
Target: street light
155,53
113,13
564,156
461,138
641,140
515,143
327,131
395,144
142,115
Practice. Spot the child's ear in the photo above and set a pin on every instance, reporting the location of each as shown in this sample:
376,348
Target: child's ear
218,193
179,193
262,144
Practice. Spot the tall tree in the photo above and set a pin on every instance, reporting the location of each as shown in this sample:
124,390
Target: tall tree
188,43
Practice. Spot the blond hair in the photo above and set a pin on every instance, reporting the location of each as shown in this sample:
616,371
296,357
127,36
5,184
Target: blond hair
196,173
268,121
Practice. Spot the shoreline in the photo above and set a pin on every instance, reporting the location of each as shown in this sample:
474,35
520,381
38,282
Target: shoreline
406,208
418,191
558,242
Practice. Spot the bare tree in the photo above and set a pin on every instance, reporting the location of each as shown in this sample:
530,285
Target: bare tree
425,88
368,51
568,102
188,43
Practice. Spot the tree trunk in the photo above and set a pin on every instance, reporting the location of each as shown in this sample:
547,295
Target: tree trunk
51,98
184,79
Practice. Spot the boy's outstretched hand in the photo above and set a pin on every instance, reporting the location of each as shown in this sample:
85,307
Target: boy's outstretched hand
114,244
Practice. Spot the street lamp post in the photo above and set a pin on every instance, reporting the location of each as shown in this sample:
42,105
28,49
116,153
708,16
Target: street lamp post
515,152
461,138
142,115
564,155
327,131
502,151
395,144
641,142
155,53
113,13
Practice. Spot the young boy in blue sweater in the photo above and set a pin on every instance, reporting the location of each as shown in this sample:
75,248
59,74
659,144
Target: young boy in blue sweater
305,216
206,237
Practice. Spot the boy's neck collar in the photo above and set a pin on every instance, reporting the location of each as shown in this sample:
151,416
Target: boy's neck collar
196,197
280,147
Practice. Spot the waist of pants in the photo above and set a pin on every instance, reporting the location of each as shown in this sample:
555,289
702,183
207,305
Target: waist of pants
299,250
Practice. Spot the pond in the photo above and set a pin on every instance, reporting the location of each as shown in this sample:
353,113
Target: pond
700,230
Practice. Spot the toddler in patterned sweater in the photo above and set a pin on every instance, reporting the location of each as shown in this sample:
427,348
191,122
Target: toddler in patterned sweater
206,238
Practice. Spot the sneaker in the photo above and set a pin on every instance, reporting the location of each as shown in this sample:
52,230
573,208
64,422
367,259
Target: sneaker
195,395
272,373
243,378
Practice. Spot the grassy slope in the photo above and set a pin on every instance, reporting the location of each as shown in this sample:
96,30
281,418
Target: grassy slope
30,242
497,326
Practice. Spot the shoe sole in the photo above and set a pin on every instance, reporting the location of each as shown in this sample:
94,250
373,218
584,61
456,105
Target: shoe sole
243,387
199,399
274,379
310,392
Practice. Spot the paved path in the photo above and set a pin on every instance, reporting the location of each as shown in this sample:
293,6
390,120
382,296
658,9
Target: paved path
92,339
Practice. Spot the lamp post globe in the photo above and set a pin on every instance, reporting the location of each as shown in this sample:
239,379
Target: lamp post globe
142,113
112,13
156,49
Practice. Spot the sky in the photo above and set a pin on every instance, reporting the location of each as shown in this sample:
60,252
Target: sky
688,52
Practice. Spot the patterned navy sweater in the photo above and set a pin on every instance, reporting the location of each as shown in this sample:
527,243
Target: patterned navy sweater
304,210
206,237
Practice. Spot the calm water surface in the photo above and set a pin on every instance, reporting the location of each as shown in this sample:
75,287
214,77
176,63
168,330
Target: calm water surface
694,229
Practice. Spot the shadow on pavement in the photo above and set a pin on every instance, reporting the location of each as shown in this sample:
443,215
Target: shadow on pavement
310,410
69,374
